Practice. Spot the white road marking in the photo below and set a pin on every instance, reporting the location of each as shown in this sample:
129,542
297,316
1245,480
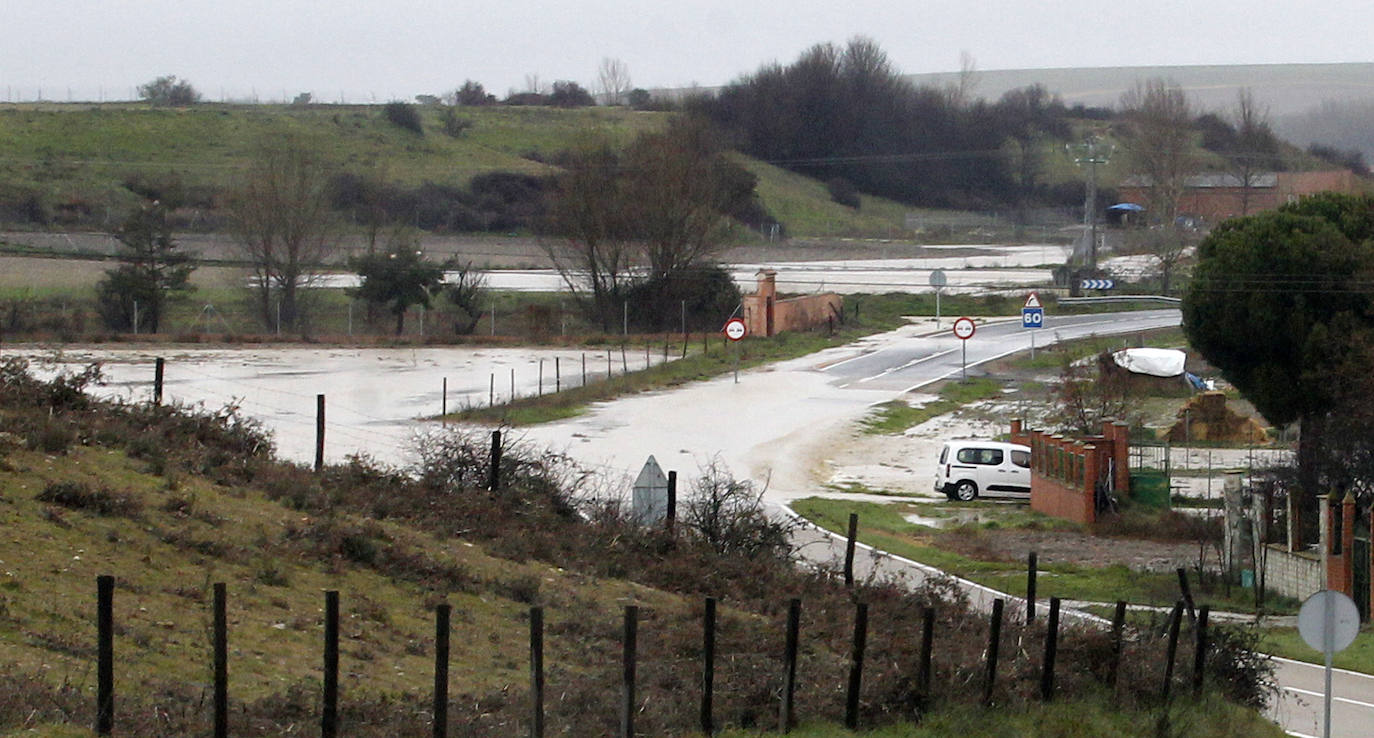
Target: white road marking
1310,693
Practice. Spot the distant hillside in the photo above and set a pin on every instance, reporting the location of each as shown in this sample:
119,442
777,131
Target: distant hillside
1308,103
1284,88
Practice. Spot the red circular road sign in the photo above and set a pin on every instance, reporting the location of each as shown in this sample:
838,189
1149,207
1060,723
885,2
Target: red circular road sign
735,329
963,328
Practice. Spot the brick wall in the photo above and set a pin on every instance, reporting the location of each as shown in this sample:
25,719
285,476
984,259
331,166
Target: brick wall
1338,518
1064,471
765,315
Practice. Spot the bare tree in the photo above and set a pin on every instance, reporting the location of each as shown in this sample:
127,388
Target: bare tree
960,93
681,189
613,81
647,216
285,225
1255,150
1161,142
586,234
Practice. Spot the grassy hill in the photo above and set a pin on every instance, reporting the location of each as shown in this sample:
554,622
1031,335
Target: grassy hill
76,159
170,502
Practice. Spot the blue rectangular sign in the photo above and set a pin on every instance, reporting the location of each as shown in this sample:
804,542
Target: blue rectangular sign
1032,317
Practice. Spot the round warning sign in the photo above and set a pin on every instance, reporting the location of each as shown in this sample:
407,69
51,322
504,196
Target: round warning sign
735,329
963,328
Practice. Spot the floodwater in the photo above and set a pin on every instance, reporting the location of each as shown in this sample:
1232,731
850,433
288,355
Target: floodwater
376,399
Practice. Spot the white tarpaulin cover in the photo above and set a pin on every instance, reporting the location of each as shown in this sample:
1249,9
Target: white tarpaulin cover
1156,362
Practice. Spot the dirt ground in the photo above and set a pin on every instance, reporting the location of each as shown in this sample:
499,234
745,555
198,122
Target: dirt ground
1072,547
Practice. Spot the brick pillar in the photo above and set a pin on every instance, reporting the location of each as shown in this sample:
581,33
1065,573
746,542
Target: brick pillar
1337,564
1348,542
1015,429
1089,482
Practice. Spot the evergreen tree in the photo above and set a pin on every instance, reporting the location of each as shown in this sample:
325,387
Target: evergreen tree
153,271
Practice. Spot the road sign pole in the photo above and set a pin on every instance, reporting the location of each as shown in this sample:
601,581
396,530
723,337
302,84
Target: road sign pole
937,310
1032,345
963,361
1329,646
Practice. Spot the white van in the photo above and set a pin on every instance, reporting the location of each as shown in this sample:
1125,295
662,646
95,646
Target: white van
971,469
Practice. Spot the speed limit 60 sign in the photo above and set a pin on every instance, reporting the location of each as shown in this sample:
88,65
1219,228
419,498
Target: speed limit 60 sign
963,328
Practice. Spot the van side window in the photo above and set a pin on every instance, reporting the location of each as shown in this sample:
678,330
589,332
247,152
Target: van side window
987,456
1021,459
944,454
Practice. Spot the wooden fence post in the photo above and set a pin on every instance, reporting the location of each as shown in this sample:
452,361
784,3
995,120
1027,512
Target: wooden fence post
557,374
329,719
849,550
1051,651
1030,587
789,660
104,651
221,647
856,666
494,477
708,665
442,615
158,367
1200,646
923,671
1187,593
1118,625
319,432
670,519
994,639
536,672
627,673
1172,651
443,406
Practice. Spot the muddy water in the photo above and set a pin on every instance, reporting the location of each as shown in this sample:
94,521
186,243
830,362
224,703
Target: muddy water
376,400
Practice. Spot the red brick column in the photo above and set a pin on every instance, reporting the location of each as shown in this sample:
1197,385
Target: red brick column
1348,542
1089,481
1337,564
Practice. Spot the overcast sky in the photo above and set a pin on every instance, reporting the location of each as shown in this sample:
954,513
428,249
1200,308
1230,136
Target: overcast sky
395,49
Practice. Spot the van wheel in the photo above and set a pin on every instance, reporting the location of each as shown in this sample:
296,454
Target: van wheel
965,491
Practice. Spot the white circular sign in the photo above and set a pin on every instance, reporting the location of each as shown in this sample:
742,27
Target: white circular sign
963,328
735,329
1344,619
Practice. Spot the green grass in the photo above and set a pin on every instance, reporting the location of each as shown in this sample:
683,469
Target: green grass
1287,643
883,526
896,416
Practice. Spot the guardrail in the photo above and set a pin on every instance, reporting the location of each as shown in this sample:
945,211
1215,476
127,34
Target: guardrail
1118,298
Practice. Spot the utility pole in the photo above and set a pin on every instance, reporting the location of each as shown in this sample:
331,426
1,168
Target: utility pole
1091,152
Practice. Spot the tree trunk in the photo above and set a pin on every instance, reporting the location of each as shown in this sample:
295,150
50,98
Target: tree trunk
400,321
1310,427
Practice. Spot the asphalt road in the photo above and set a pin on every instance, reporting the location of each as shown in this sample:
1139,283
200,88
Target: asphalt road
907,365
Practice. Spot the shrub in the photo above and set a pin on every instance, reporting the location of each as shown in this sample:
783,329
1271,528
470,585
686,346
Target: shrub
80,496
404,115
843,192
454,126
